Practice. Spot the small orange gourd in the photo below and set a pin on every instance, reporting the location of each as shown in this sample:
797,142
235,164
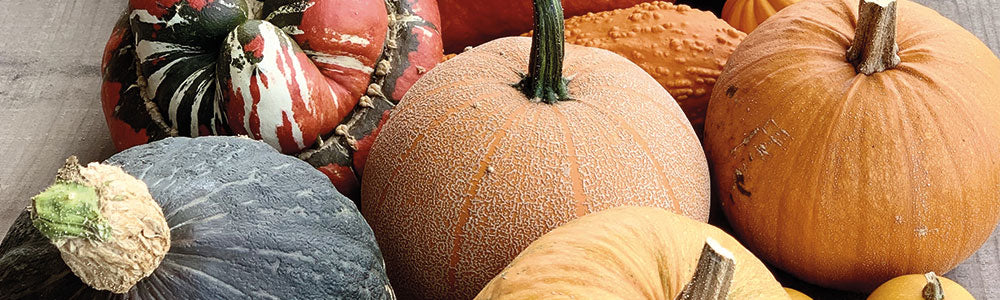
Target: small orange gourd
631,253
683,48
920,287
848,149
495,147
745,15
796,295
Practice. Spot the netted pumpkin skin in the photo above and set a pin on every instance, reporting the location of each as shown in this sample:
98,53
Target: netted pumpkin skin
625,253
683,48
468,171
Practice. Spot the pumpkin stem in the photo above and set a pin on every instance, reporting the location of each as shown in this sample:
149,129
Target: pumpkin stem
712,276
933,291
68,208
874,47
545,80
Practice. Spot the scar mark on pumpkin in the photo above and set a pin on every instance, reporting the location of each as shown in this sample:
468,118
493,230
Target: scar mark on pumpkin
731,91
740,181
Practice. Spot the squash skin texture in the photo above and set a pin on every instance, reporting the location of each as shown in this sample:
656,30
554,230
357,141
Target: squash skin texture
625,253
746,15
683,48
847,180
909,287
246,222
466,24
474,171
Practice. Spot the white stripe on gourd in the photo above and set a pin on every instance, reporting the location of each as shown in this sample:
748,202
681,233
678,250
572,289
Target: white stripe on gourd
343,61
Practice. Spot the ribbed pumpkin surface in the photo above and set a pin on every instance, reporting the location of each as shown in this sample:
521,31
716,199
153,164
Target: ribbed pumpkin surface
625,253
468,171
847,180
745,15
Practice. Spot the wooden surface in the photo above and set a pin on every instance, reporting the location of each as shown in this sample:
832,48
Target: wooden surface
50,55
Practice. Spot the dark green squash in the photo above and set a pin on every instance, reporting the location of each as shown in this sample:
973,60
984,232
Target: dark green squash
245,222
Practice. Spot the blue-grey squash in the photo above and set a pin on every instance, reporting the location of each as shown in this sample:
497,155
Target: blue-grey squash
241,221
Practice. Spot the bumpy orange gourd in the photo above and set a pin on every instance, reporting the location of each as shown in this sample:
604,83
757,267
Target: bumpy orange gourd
469,170
845,179
915,286
625,253
683,48
745,15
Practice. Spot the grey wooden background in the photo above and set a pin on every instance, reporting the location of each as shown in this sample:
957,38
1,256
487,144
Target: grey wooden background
50,56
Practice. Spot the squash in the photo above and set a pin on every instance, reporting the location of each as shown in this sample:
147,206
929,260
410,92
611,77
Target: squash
478,159
796,295
685,49
927,286
745,15
312,77
240,220
466,24
630,253
848,168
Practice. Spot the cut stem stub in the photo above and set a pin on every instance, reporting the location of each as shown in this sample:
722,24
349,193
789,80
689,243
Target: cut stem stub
933,290
874,48
713,275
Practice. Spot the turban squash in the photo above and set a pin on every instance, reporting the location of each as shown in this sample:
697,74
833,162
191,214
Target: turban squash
310,77
683,48
850,167
240,220
470,23
478,159
628,253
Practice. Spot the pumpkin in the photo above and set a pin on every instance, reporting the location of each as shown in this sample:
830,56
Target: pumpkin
685,49
630,253
796,295
495,147
927,286
850,167
745,15
309,77
240,220
465,24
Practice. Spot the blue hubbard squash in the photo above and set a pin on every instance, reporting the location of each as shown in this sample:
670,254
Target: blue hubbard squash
240,220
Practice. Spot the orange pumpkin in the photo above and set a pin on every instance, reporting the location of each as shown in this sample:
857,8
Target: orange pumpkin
745,15
683,48
479,159
629,253
847,174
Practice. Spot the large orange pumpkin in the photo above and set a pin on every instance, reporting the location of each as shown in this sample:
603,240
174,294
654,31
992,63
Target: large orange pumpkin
745,15
847,174
479,159
629,253
683,48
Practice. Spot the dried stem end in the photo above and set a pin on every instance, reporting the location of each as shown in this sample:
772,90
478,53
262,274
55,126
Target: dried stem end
104,222
933,290
713,275
874,47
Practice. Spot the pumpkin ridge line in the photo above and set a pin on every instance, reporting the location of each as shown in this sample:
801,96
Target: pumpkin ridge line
642,143
465,210
437,122
204,275
662,104
574,173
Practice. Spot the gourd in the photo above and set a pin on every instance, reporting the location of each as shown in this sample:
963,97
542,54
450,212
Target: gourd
495,147
309,77
634,253
466,24
683,48
240,220
850,167
927,286
797,295
745,15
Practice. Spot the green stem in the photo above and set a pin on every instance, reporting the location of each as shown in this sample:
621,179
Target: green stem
69,209
545,80
933,290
